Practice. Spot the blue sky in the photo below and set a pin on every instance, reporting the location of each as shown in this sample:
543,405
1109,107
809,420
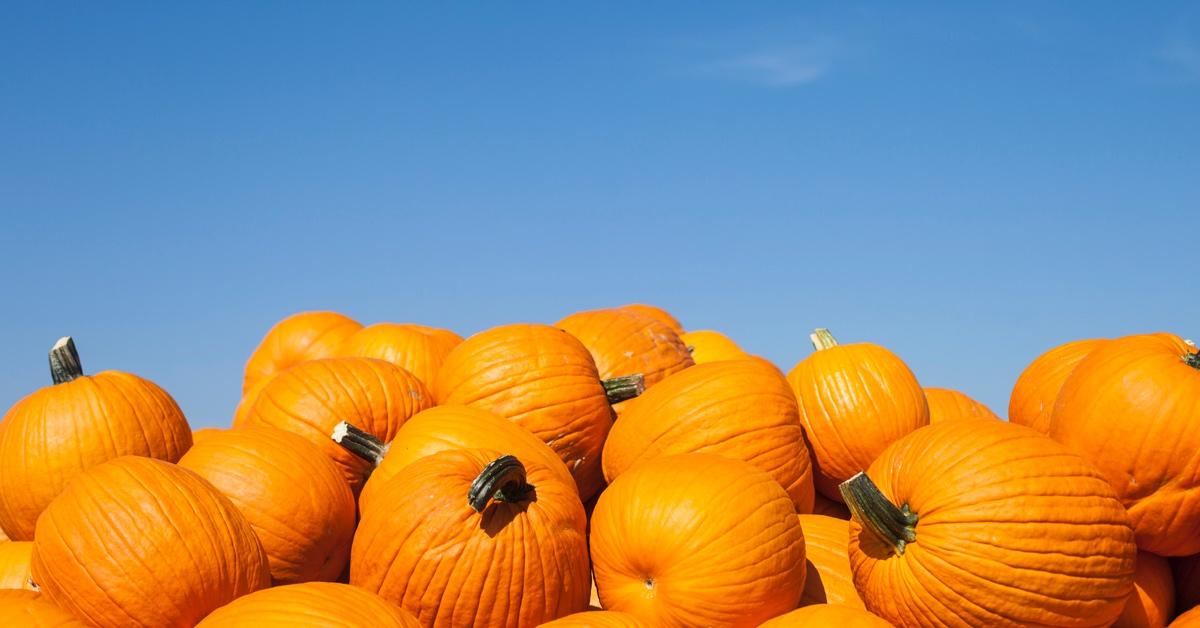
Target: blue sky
965,185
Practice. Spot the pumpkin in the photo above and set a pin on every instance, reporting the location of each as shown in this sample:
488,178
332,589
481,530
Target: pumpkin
418,349
325,604
824,506
1190,619
1186,576
295,339
294,497
1037,387
741,409
826,546
950,405
824,615
471,537
597,619
697,540
1129,407
205,433
142,542
984,523
711,346
311,398
544,380
81,421
1153,601
14,564
855,400
242,411
656,313
623,342
29,609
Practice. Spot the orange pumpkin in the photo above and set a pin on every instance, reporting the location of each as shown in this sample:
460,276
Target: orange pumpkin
1190,619
697,540
470,537
29,609
1186,575
248,398
14,564
1033,396
1153,601
711,346
824,615
597,619
623,342
826,544
81,421
855,400
138,541
656,313
326,604
741,409
293,496
824,506
311,398
295,339
950,405
543,379
984,523
1129,407
418,349
205,433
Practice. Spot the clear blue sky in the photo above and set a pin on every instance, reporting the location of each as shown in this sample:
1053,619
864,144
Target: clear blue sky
965,185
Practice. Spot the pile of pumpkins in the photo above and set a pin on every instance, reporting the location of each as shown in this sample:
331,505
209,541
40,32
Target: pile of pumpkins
610,469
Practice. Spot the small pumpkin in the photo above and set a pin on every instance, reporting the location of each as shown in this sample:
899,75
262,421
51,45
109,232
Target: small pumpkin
656,313
946,404
622,342
855,400
30,609
81,421
597,619
418,349
295,339
1185,572
1037,387
826,546
984,523
697,540
1153,601
142,542
14,564
471,537
824,615
711,346
325,604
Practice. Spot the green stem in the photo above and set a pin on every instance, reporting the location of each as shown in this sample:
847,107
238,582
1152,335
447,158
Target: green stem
822,339
64,361
624,388
359,442
1192,360
892,525
502,480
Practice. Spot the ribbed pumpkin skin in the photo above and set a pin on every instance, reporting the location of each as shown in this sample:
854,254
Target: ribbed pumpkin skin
28,609
1190,619
1013,529
1152,604
310,399
697,540
544,380
656,313
141,542
826,616
598,619
946,404
1130,408
1032,400
458,427
418,349
14,564
295,339
514,564
326,604
740,409
623,342
712,346
829,581
294,497
55,433
1186,575
855,400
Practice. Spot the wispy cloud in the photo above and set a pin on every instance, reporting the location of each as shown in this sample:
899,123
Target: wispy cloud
1181,55
783,66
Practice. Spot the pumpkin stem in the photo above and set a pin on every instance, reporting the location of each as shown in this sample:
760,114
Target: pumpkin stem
64,361
894,526
624,388
502,480
359,442
822,339
1192,360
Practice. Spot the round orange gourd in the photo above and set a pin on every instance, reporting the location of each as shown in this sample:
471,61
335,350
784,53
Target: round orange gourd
1130,408
984,523
544,380
294,497
28,609
697,540
826,615
14,564
325,604
137,541
946,404
295,339
471,537
204,434
623,342
248,398
829,581
1153,602
1186,576
81,421
741,409
656,313
1037,387
1190,619
311,398
824,506
855,400
597,619
418,349
711,346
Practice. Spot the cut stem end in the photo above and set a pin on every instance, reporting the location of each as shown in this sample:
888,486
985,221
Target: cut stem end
359,442
502,480
64,361
895,526
624,388
822,339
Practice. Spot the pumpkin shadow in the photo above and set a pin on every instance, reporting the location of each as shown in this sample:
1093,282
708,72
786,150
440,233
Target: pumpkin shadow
814,587
498,515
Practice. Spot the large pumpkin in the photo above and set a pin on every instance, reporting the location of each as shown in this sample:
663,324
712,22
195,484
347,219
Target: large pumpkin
311,398
946,404
741,409
1153,601
855,400
14,564
418,349
711,346
545,380
983,523
825,616
656,313
141,542
28,609
1130,408
697,540
1037,387
623,342
295,339
294,497
597,619
829,581
325,604
81,421
471,537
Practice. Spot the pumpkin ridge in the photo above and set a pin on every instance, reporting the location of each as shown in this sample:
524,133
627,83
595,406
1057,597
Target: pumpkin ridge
113,388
